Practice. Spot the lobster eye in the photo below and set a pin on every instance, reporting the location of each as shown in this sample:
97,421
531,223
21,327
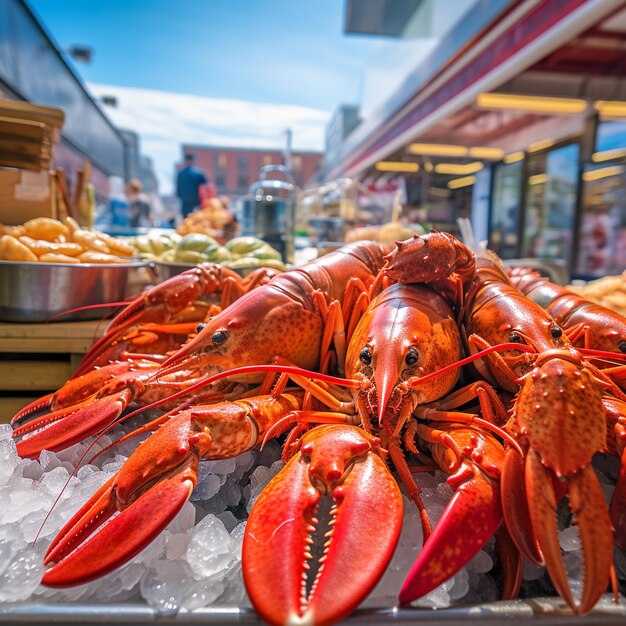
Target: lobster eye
200,327
218,337
556,332
365,356
412,356
515,338
622,345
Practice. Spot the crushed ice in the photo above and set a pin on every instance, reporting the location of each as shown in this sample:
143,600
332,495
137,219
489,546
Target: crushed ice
196,561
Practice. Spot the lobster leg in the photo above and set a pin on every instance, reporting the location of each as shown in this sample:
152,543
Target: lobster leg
344,464
154,484
616,417
473,458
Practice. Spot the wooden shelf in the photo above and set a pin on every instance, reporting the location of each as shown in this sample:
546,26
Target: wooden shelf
36,359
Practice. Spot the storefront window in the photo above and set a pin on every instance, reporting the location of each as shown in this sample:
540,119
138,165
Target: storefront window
505,209
551,204
602,241
610,141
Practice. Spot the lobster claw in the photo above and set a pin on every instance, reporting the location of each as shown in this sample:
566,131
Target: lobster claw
149,490
82,407
473,514
114,545
471,517
515,508
343,463
586,501
65,427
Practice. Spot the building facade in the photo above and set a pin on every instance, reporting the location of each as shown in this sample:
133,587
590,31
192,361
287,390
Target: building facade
515,115
34,68
233,170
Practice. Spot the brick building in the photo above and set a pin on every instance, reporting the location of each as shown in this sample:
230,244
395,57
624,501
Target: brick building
233,170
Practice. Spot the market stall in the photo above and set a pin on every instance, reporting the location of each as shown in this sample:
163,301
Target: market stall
322,405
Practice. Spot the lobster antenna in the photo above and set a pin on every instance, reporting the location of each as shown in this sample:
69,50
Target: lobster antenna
87,307
496,348
246,369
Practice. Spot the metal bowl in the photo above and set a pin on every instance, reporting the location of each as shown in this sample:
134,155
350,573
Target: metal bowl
164,270
34,292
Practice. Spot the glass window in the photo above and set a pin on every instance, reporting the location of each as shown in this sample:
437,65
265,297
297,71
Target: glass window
505,209
602,235
610,141
551,204
243,162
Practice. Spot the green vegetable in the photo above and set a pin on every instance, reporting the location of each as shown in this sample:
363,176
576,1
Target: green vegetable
267,252
192,257
197,242
243,246
217,254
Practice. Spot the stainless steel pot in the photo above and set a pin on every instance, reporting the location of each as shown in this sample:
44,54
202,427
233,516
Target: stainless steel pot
34,292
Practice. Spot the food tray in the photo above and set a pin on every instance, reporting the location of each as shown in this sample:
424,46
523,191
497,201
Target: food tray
34,292
543,611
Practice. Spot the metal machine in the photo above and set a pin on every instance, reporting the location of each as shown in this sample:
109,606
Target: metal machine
269,210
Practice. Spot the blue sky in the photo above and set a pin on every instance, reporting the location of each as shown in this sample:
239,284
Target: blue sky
275,51
227,72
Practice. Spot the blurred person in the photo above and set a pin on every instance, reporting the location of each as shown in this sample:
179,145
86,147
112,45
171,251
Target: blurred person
140,212
189,183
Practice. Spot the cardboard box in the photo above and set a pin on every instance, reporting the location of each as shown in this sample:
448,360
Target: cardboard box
25,194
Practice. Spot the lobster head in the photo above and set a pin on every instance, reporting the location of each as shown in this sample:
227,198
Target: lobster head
520,322
408,331
262,324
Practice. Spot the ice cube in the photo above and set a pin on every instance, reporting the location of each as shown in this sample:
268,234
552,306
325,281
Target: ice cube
222,466
210,547
176,546
570,539
164,586
230,492
207,489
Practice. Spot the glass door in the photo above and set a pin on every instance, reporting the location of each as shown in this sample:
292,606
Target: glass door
551,204
602,234
505,209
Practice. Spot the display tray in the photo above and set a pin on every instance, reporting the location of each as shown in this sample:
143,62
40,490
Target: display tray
544,611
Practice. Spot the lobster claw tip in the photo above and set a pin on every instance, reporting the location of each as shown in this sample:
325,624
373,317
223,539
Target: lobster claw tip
471,517
586,501
366,517
67,426
79,558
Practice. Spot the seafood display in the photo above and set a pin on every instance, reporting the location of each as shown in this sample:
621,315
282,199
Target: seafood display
368,365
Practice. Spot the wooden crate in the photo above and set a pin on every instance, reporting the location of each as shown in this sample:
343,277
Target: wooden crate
36,359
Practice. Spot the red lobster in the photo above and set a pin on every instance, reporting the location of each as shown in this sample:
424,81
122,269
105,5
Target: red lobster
285,317
587,324
560,414
161,318
399,339
117,367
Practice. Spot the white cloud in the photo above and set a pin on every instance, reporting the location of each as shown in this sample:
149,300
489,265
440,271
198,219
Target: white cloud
166,120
